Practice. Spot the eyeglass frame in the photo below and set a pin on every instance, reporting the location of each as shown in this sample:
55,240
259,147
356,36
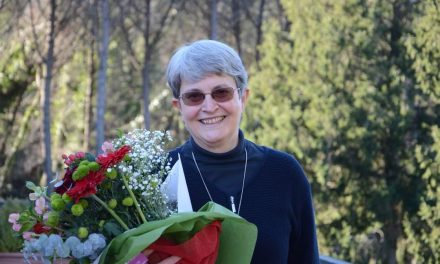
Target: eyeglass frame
210,93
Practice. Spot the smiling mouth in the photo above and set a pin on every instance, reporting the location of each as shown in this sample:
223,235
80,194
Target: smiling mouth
214,120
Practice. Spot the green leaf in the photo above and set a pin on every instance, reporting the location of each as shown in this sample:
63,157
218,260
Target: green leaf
31,186
237,238
28,225
112,229
120,133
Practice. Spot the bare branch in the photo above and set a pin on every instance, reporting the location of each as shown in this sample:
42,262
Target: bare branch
34,32
248,13
162,23
132,55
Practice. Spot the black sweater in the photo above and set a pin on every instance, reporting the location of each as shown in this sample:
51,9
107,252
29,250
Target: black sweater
276,197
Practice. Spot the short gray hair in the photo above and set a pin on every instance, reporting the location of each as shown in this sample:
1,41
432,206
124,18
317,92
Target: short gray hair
196,60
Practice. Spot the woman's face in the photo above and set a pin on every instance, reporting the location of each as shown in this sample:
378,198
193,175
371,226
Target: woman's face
213,125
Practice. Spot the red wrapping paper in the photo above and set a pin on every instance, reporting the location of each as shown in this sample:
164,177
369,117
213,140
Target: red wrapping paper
202,248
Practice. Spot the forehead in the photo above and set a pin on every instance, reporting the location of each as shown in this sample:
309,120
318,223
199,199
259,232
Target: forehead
208,82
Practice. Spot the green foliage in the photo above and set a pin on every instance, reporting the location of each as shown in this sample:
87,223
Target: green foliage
14,78
18,102
9,242
423,228
344,90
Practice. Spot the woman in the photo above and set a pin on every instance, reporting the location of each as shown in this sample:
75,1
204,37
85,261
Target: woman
262,185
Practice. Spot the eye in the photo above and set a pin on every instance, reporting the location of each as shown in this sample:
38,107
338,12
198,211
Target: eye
222,93
194,96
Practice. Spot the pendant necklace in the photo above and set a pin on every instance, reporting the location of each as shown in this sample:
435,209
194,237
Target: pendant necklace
232,197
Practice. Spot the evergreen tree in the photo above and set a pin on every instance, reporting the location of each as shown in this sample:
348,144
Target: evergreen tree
340,90
423,229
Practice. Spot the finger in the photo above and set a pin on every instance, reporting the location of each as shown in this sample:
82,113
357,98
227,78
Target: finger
170,260
147,252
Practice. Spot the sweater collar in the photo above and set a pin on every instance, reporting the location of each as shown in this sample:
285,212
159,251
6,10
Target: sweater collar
201,152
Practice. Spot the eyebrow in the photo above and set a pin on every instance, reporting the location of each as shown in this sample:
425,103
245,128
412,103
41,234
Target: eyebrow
213,88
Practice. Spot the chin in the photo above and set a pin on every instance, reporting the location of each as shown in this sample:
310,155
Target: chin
212,139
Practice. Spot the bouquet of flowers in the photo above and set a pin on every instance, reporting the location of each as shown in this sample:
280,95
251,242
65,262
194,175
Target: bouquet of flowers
110,208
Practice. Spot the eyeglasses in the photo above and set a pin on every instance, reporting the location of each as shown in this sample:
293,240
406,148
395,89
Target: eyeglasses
220,95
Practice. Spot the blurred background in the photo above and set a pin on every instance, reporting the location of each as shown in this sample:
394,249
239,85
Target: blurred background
350,87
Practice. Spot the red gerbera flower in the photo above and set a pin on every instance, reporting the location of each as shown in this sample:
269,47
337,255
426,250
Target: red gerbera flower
87,185
39,228
67,182
110,159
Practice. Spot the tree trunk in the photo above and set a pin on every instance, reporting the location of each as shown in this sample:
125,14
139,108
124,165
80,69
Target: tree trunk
214,20
393,231
47,94
259,26
236,20
145,73
88,106
149,45
103,56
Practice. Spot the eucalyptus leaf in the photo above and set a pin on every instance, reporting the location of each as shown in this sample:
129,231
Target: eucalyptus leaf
31,186
90,156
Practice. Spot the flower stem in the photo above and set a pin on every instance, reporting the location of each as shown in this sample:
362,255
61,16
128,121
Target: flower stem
117,218
136,204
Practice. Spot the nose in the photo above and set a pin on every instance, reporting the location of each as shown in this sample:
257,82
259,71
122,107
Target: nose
209,104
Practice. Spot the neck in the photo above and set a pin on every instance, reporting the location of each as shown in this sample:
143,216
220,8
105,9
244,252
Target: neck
219,148
234,145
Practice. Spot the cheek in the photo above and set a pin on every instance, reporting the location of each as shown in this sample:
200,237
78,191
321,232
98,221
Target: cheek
237,108
188,114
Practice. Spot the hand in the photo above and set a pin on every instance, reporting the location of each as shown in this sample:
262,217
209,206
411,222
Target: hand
169,260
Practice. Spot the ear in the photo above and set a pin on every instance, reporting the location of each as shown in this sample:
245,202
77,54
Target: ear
176,104
245,96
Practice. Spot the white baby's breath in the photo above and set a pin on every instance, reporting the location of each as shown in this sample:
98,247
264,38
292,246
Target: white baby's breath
147,165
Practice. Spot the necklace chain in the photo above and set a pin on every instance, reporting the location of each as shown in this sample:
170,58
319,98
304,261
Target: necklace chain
242,185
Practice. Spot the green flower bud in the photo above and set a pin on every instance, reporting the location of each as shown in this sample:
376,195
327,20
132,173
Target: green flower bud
83,232
128,201
85,260
112,203
106,185
58,204
77,209
52,219
24,217
84,203
112,174
101,223
84,163
66,198
127,158
80,172
93,166
54,196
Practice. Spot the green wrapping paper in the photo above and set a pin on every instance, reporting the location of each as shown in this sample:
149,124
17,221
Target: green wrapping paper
237,237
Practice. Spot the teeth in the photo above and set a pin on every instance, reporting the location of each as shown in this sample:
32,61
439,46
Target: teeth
212,120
